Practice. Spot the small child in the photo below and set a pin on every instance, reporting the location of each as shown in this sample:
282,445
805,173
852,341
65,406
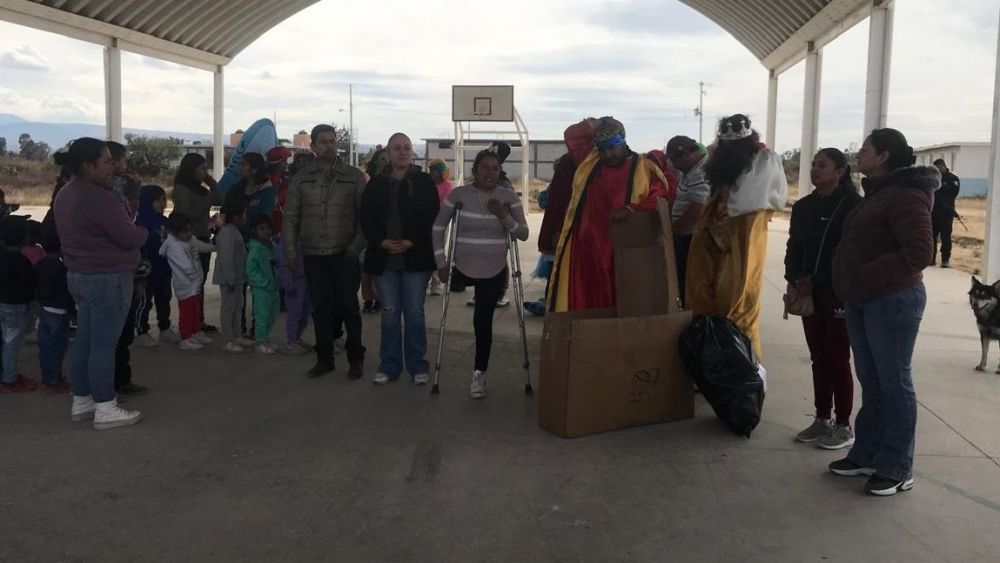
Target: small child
230,275
260,274
152,202
297,303
17,291
6,208
55,304
181,251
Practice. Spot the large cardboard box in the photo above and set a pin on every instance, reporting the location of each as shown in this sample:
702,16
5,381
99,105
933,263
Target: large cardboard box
607,369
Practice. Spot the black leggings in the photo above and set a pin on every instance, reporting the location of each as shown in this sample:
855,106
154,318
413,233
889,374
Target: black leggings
488,292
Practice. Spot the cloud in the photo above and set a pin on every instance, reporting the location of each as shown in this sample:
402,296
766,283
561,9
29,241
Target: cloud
264,75
24,58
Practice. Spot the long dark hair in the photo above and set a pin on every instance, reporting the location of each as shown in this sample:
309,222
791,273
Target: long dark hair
185,171
372,166
839,160
258,165
82,150
894,143
732,158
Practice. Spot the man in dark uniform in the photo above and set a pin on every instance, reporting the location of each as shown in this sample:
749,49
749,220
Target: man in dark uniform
944,212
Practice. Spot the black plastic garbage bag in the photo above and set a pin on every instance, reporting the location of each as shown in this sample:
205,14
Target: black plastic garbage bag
722,363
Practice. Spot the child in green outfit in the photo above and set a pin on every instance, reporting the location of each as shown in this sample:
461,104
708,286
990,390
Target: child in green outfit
260,275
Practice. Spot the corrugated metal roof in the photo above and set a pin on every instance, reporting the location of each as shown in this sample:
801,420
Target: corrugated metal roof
760,25
219,27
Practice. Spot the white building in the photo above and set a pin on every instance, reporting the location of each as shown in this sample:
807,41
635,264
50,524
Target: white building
969,161
541,158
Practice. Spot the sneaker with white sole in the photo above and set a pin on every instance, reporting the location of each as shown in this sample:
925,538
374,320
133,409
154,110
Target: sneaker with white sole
83,408
169,335
109,415
820,428
144,340
246,342
421,379
295,349
233,348
478,388
381,379
190,345
847,468
202,338
504,302
886,486
841,437
265,348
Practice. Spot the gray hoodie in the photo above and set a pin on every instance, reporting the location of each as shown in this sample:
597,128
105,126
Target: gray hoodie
230,262
184,264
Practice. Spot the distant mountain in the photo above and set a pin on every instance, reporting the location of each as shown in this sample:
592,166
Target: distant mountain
58,134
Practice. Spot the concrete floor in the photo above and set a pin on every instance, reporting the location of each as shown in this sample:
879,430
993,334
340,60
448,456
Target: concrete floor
245,459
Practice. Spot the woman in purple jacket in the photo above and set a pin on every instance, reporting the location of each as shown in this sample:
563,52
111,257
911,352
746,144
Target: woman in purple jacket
100,245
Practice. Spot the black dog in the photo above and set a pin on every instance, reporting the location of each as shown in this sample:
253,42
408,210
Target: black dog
985,302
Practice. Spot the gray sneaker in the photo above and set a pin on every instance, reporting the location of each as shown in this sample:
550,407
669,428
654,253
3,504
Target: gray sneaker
841,437
818,429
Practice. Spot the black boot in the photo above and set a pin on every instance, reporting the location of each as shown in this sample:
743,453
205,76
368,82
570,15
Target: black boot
323,366
356,369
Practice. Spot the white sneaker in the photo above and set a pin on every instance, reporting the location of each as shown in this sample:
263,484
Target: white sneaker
421,379
190,344
83,408
295,349
471,302
381,379
144,340
232,348
339,345
265,348
202,338
245,342
478,388
435,290
169,335
110,415
504,302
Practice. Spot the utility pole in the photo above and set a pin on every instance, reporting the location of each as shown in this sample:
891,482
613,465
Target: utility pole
700,110
350,94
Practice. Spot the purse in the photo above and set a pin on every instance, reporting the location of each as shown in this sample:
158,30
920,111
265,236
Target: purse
801,304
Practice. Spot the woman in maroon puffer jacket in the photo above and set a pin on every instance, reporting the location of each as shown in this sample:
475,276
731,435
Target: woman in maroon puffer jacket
877,271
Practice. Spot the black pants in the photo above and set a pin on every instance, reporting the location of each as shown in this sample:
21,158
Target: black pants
488,292
206,262
157,293
942,224
682,244
334,282
123,369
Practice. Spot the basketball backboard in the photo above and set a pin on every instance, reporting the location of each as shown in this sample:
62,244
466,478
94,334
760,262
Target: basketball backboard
482,103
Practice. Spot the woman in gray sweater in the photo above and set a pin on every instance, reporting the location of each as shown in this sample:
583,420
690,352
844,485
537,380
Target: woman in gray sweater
490,216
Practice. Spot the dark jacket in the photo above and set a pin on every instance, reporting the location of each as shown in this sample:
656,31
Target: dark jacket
17,278
418,208
53,290
560,193
156,225
887,239
944,198
812,216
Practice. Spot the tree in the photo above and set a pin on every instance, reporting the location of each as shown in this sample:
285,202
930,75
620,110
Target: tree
32,150
343,140
151,156
3,146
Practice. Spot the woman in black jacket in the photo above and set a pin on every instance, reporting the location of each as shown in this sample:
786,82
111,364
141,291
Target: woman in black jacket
816,226
398,210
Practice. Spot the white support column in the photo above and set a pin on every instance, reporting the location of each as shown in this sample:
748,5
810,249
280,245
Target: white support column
772,109
113,92
218,125
879,59
991,254
810,116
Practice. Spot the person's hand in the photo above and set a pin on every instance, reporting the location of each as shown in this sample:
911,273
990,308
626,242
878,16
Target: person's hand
405,244
443,274
593,122
621,215
496,207
393,246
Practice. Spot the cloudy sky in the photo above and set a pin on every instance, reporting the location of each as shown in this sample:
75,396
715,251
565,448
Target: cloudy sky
640,60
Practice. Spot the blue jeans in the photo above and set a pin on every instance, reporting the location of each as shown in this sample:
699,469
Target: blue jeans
14,323
53,339
402,296
102,303
883,333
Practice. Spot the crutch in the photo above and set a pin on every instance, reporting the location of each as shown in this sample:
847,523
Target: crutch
515,258
447,293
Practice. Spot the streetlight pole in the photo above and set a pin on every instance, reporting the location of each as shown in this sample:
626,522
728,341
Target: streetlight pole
700,110
350,94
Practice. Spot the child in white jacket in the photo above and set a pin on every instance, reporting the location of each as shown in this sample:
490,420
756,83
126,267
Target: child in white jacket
181,251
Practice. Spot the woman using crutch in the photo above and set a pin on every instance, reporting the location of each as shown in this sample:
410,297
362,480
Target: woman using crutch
489,217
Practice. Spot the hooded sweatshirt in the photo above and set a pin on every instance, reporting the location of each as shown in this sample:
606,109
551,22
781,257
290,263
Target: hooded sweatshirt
156,224
184,264
887,240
